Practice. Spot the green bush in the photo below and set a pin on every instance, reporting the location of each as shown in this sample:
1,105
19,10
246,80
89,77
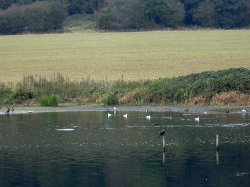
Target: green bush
175,90
207,83
20,95
111,99
51,100
4,93
36,17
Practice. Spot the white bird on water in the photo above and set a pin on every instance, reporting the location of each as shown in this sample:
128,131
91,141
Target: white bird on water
244,110
148,117
109,115
197,119
125,115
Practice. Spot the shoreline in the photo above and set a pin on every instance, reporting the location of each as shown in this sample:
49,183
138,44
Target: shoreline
129,108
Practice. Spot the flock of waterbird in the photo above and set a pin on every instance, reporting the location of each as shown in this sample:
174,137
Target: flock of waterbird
196,119
113,112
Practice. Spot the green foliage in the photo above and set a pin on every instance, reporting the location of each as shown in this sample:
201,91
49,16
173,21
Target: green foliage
205,15
37,17
168,13
20,95
4,93
206,84
48,15
106,20
81,6
139,102
140,14
12,21
111,99
51,100
176,90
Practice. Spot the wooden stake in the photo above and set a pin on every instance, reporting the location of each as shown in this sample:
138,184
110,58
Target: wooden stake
217,157
163,143
217,141
163,158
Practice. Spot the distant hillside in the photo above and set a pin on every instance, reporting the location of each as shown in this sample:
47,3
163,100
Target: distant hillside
121,15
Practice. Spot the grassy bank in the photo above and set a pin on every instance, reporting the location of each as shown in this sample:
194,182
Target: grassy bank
226,87
127,56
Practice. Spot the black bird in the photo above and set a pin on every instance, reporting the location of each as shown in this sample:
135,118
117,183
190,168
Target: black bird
162,132
8,111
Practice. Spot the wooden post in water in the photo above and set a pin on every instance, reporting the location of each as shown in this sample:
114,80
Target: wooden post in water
217,142
163,143
217,157
163,158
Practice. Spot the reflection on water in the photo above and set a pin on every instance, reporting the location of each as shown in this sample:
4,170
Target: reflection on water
92,149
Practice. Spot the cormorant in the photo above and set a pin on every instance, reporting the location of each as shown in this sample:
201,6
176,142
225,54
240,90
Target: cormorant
162,132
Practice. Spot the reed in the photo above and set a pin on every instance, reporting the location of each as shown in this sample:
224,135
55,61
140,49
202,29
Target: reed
231,86
51,100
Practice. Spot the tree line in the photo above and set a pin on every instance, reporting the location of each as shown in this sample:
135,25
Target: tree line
17,16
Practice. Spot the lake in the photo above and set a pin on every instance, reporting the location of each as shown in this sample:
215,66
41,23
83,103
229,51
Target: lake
88,148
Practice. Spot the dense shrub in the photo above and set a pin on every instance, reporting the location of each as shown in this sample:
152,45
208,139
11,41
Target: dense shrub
4,93
20,95
37,17
51,100
206,87
207,84
111,99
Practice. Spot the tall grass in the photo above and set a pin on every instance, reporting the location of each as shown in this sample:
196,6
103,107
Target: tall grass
51,100
201,88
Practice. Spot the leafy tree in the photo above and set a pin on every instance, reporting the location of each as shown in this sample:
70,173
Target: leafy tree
163,12
246,13
137,14
228,13
12,20
43,17
205,15
190,6
121,14
37,17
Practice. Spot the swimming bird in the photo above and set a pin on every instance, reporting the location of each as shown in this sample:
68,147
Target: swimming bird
197,119
109,115
162,132
148,117
156,125
244,110
125,115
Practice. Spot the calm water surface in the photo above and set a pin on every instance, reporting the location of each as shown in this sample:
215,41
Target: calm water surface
90,149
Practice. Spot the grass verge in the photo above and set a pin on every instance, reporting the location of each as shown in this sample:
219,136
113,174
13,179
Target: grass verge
231,86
